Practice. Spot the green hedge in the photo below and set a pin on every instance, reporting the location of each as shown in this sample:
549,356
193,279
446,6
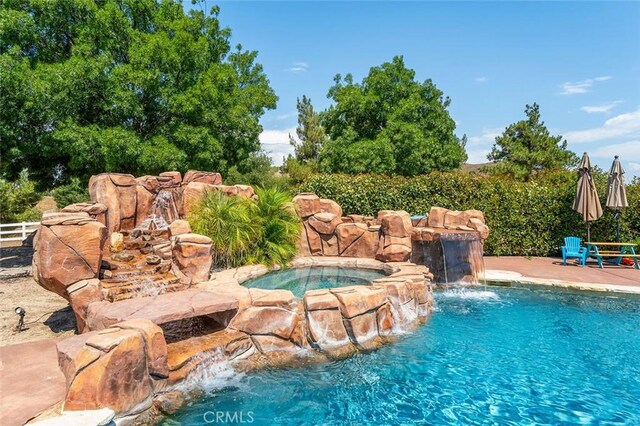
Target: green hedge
525,218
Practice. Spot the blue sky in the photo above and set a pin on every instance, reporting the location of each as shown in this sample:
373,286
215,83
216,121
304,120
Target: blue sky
579,60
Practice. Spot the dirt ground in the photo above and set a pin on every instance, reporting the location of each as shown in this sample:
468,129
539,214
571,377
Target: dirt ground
48,315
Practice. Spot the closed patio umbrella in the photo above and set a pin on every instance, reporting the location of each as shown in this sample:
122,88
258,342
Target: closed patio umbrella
616,194
586,202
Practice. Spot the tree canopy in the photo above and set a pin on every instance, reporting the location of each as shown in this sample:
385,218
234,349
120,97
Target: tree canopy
310,133
126,86
527,147
389,123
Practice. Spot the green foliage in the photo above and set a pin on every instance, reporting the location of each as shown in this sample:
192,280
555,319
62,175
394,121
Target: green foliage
248,231
526,148
231,225
310,133
281,228
389,123
257,171
18,200
124,86
73,192
525,218
297,171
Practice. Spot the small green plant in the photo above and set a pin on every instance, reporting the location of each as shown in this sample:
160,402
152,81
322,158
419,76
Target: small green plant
245,231
73,192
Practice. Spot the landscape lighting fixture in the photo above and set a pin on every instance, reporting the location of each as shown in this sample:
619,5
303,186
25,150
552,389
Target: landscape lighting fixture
21,313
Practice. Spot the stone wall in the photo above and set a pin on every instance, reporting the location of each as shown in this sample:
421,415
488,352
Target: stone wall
392,236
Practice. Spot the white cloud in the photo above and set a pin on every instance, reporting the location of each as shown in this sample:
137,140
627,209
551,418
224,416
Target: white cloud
476,156
488,136
629,149
602,108
481,79
584,86
634,167
623,125
297,67
275,137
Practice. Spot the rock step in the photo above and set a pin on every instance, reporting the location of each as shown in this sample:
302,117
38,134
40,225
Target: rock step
145,292
141,279
134,272
116,291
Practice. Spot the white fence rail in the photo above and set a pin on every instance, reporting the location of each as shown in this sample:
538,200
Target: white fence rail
17,231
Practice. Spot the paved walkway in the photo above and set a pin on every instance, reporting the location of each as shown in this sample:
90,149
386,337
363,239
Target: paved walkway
547,270
30,381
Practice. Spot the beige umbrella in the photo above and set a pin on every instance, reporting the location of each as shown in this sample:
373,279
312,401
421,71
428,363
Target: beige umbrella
616,194
586,202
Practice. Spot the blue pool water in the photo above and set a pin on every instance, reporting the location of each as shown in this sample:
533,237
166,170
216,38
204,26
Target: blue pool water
301,280
496,357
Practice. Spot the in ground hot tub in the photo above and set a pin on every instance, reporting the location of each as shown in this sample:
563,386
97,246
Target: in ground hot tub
298,281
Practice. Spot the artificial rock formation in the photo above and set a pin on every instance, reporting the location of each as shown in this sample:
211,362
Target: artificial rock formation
120,368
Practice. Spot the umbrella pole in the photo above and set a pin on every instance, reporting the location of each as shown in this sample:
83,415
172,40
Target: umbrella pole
618,226
588,231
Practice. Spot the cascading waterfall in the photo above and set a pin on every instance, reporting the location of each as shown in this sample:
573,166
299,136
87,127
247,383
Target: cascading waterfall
163,212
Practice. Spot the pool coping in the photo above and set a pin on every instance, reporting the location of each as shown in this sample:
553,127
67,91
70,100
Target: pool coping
511,278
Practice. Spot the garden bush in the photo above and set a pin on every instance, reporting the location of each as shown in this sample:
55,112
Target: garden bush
18,200
74,192
245,230
525,218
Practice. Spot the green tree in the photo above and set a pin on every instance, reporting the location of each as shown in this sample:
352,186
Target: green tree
119,85
526,148
389,123
310,133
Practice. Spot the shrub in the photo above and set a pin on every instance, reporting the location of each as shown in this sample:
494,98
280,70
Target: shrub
73,192
280,228
248,231
18,200
526,218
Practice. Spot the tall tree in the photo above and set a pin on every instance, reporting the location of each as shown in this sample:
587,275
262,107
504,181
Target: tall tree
119,85
389,123
527,147
310,133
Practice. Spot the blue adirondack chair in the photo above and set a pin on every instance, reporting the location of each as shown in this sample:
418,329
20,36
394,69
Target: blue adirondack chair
572,248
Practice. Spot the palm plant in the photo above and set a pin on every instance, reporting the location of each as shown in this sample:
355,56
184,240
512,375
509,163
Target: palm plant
245,231
232,225
281,227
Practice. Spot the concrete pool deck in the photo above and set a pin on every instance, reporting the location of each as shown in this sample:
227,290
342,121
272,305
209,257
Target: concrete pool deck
548,271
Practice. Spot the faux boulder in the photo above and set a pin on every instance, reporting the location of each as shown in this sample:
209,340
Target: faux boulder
192,255
67,249
118,368
118,193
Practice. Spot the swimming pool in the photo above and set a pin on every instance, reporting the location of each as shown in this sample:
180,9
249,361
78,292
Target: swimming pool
303,279
502,356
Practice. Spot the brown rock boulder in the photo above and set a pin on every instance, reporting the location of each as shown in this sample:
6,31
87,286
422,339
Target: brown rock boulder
329,245
265,320
204,177
314,241
81,294
326,328
396,224
356,300
307,204
436,217
191,253
176,177
330,206
324,223
394,253
179,227
454,219
155,344
363,328
67,249
117,379
384,319
117,192
478,225
348,233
